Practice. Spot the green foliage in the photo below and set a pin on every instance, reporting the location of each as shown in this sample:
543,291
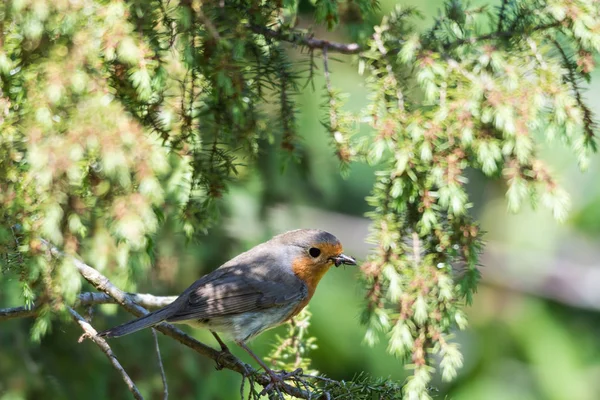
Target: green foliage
118,117
476,105
290,352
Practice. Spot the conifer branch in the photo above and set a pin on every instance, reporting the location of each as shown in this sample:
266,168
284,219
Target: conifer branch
588,116
300,39
500,35
337,121
333,118
462,94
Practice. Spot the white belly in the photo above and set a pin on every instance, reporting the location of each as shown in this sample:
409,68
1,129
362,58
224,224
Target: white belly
243,327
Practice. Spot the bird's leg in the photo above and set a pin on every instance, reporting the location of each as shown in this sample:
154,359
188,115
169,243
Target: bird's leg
223,353
275,378
224,347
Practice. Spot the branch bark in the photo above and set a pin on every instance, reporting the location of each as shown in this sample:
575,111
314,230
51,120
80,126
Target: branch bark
90,332
302,40
143,299
89,299
18,312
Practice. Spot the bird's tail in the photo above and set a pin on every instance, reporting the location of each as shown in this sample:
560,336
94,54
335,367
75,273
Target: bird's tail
147,320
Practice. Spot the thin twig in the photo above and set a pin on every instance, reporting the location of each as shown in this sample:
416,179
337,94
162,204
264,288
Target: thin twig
168,22
501,15
143,299
588,117
18,312
209,25
326,70
90,332
242,387
302,40
332,114
160,366
210,28
322,378
89,299
277,353
339,140
12,229
311,71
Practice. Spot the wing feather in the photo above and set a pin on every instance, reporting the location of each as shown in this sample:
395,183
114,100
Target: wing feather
230,292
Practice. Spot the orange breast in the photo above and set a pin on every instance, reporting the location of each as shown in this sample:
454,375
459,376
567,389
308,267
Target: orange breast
311,274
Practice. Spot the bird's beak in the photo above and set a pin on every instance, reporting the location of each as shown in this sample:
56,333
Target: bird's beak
343,259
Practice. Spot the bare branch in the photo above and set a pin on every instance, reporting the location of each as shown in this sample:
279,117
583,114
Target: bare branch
143,299
302,40
18,312
160,366
89,299
90,332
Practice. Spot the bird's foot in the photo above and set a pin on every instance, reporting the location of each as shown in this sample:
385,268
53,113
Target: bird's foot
288,375
223,354
279,378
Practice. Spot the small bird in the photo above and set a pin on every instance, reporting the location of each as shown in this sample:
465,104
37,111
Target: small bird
255,291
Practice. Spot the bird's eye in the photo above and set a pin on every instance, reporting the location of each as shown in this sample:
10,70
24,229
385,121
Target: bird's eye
314,252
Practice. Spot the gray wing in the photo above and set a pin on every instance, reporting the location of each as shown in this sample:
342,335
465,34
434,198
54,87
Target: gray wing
231,291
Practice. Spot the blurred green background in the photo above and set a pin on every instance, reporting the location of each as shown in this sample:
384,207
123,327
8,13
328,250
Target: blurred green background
534,325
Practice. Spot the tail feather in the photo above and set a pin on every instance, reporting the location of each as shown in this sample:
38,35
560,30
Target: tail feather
151,319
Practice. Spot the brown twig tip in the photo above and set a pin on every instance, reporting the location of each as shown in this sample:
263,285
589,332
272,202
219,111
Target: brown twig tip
90,332
83,337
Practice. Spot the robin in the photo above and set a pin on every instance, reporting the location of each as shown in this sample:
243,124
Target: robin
255,291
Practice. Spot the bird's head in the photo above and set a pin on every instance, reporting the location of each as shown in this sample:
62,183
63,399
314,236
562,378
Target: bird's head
315,251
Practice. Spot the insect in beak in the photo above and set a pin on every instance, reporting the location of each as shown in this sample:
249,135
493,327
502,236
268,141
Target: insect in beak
343,259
